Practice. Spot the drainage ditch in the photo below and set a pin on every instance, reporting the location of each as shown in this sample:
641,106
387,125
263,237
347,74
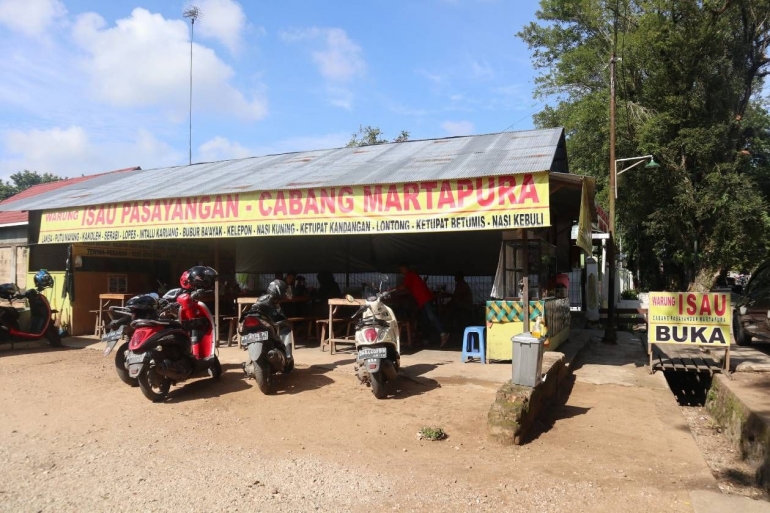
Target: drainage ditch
734,475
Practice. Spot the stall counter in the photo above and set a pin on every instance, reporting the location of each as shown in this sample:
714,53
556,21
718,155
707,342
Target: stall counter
505,318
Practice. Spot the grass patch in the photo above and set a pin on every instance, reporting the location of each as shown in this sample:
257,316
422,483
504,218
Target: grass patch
431,433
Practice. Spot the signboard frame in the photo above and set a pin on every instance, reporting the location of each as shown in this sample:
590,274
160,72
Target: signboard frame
687,318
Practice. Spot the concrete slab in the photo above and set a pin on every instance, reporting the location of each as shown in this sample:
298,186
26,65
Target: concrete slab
754,358
624,363
705,501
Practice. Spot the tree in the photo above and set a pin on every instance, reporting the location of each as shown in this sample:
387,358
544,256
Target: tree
24,180
367,136
687,87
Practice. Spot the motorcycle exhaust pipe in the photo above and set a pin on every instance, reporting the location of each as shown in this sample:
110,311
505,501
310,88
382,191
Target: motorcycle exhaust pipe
276,358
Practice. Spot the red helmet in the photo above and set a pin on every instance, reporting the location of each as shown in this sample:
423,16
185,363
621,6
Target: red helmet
198,277
184,280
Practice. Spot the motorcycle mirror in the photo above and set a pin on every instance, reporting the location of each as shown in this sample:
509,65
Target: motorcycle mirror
350,298
384,278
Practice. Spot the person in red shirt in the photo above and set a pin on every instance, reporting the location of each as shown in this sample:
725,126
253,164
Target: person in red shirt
424,299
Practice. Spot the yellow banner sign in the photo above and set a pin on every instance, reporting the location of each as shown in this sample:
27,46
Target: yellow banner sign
490,203
689,318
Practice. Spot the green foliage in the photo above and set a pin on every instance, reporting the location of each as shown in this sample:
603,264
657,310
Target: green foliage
629,294
431,433
24,180
367,136
687,90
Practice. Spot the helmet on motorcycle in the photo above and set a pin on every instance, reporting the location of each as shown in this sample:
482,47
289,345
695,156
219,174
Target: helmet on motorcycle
143,303
43,280
184,281
198,277
8,290
277,289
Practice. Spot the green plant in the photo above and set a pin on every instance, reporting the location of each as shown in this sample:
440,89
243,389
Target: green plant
432,434
629,294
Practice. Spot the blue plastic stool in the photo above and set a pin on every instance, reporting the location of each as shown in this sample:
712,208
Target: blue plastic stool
473,344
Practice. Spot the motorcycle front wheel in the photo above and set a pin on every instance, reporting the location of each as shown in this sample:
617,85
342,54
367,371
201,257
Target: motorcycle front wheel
120,366
262,376
378,385
153,386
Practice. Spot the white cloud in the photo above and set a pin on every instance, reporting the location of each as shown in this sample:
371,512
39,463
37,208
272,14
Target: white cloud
482,69
223,20
144,61
339,60
30,17
221,148
72,152
458,127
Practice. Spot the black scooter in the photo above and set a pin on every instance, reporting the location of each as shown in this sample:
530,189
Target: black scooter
266,334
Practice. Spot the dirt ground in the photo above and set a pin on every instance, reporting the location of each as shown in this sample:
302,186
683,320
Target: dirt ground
73,438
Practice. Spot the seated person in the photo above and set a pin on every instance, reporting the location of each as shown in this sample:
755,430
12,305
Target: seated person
461,303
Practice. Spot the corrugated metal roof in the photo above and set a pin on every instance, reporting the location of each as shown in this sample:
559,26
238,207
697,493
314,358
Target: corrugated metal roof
433,159
18,217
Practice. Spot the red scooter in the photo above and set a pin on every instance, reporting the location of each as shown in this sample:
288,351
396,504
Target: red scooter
22,325
165,352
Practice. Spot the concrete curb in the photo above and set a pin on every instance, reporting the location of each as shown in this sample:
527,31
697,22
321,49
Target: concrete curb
747,429
517,410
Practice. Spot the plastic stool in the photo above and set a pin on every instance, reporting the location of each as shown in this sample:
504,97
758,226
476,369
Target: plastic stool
473,344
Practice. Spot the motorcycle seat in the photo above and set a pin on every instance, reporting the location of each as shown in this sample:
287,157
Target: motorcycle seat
152,323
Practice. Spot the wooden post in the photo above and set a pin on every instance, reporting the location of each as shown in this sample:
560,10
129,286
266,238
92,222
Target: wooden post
525,279
216,295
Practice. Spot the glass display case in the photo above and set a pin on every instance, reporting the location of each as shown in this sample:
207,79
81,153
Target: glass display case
542,267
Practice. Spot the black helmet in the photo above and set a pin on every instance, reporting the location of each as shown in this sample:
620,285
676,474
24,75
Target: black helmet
199,277
43,280
143,303
8,290
277,289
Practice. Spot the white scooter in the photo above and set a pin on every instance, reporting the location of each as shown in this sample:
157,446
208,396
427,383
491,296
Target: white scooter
377,342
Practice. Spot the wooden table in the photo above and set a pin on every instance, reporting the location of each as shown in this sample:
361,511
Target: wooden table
104,300
331,340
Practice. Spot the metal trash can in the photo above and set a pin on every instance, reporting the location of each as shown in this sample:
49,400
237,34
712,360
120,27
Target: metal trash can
527,359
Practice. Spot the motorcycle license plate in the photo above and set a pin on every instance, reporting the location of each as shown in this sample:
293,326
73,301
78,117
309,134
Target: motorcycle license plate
135,358
259,336
373,352
111,339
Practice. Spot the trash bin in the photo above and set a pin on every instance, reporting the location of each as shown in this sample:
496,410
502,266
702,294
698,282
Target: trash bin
527,359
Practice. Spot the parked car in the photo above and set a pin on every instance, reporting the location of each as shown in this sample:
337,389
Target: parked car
751,310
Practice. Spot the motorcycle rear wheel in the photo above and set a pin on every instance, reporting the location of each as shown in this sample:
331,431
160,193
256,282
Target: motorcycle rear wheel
262,377
147,388
120,366
52,335
378,385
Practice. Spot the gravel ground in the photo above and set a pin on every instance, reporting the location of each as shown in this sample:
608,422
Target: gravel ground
76,439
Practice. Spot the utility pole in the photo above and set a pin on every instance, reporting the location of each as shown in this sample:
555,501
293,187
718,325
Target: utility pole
610,331
193,13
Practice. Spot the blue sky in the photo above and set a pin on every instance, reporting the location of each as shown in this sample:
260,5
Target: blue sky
90,86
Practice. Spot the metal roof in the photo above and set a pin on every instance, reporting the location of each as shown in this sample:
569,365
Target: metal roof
20,217
422,160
